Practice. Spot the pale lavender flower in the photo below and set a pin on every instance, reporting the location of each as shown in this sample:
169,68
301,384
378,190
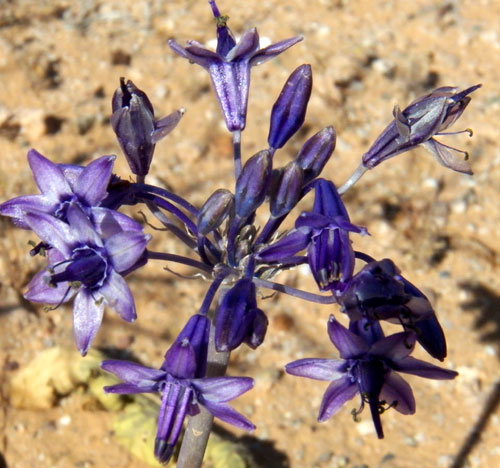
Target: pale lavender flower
61,186
84,265
229,67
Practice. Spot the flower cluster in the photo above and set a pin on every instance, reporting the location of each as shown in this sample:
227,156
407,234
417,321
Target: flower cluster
90,246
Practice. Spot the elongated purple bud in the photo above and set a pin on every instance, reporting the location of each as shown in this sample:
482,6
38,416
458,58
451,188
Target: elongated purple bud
289,110
257,332
215,210
287,190
316,152
253,183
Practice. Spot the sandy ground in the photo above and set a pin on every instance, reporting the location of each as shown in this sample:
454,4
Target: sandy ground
60,62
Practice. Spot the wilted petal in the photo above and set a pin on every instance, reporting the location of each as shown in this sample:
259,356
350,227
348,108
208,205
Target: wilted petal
445,156
87,318
227,414
125,248
118,296
398,393
348,344
93,182
337,394
317,369
222,389
165,125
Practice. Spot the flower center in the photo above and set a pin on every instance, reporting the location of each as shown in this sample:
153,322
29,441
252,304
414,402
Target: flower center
87,266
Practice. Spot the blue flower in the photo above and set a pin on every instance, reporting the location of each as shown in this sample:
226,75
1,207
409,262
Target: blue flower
369,366
182,386
84,265
229,67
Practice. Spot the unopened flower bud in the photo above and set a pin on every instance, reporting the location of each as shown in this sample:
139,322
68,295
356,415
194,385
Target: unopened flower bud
214,211
289,110
253,183
287,190
134,123
316,152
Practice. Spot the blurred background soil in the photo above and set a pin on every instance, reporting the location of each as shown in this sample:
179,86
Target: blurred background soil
60,62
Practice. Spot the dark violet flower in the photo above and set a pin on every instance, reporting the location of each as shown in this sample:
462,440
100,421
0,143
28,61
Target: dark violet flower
289,110
369,366
238,319
84,265
229,67
61,186
379,292
329,253
424,118
182,386
135,126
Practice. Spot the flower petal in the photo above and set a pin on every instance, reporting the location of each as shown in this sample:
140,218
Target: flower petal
87,318
131,372
119,297
125,248
397,346
52,231
336,395
16,208
49,178
396,389
93,182
81,227
444,156
348,344
222,389
318,369
227,414
414,366
109,222
129,389
273,50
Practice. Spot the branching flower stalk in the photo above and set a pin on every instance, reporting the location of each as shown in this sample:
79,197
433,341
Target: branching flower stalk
91,247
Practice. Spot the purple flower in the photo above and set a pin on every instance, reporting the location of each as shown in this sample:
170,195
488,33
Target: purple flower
329,253
135,126
182,386
369,366
238,319
289,110
87,266
229,67
424,118
379,292
61,186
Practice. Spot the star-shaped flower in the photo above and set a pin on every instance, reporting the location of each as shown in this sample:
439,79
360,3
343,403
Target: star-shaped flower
369,366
